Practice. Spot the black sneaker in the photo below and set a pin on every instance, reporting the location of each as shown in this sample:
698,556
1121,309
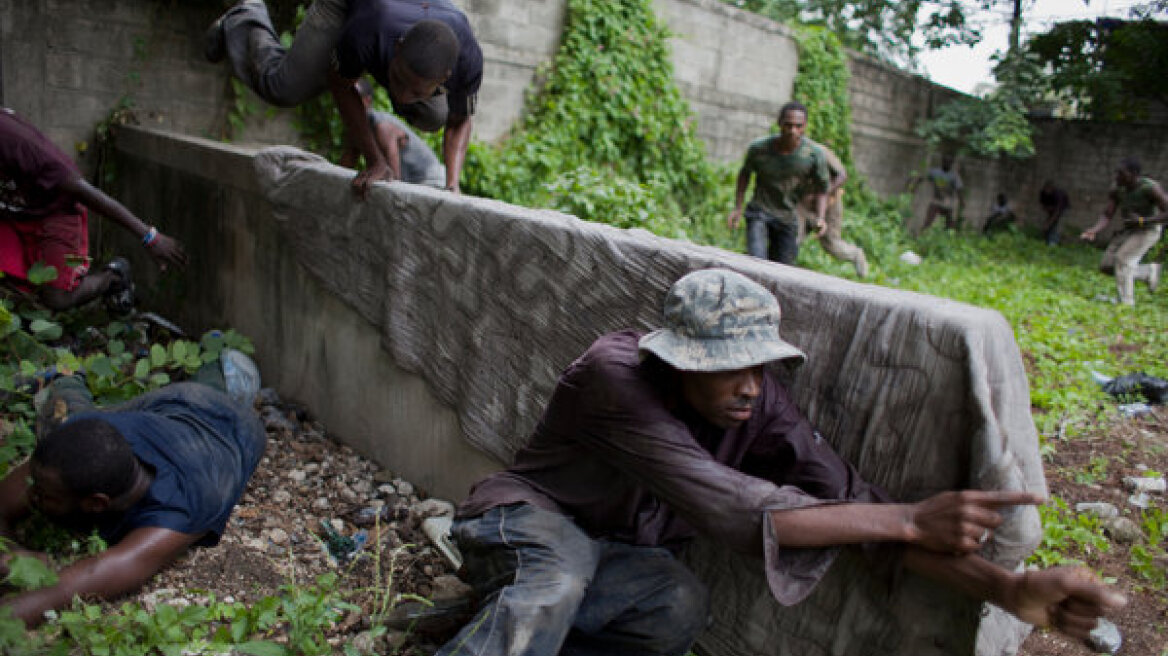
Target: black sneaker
215,42
119,297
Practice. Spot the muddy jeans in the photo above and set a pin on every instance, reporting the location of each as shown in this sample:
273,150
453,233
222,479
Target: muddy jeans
287,77
771,237
66,396
1123,258
548,588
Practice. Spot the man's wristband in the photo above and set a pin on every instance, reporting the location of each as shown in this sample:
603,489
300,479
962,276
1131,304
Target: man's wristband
150,236
1141,221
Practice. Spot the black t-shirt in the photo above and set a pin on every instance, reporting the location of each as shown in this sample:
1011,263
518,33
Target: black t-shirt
373,28
1054,199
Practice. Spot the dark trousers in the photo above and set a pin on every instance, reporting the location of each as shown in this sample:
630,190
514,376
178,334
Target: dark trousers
549,588
770,237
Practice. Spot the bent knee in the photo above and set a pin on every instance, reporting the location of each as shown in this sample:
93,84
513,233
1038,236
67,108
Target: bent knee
687,614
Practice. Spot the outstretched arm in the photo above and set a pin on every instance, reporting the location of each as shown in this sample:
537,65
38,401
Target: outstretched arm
166,251
352,112
950,522
122,568
1070,599
739,197
455,140
391,139
1105,218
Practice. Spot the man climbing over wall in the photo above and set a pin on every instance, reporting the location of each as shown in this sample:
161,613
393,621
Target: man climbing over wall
651,438
1055,203
423,53
44,218
947,189
408,156
832,237
786,167
1141,203
155,476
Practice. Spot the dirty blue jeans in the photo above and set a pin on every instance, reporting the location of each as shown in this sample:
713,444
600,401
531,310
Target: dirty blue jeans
547,588
771,237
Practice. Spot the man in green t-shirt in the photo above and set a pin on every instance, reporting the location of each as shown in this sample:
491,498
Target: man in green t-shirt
786,167
1144,207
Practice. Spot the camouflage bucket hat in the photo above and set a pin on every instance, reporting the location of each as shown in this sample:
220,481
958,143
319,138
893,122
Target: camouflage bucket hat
719,320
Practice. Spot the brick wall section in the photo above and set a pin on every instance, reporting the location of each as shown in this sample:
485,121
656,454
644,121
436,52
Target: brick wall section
66,63
735,68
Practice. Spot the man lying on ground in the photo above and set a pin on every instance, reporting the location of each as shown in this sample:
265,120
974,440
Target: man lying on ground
44,218
650,439
155,476
423,53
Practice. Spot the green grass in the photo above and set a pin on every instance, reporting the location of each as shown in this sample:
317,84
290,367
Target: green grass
1047,295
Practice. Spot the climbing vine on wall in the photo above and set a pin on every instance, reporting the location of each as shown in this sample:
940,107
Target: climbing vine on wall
821,83
608,135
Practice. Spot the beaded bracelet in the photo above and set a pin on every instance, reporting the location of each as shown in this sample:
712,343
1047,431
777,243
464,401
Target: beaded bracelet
150,236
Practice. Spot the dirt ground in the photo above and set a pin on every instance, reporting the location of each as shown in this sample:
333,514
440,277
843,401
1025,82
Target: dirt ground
306,478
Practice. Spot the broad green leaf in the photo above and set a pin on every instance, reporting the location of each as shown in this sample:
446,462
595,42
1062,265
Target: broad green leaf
45,330
142,369
41,273
100,365
262,648
159,378
28,573
158,356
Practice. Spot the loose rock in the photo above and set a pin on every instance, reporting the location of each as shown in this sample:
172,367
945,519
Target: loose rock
1102,510
1105,637
321,503
1123,530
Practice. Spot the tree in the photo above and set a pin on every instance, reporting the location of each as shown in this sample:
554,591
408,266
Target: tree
886,28
1108,69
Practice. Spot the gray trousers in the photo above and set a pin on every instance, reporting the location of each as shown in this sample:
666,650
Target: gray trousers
287,77
1123,258
548,588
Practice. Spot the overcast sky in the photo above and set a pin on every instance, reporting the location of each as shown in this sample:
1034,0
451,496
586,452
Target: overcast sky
963,68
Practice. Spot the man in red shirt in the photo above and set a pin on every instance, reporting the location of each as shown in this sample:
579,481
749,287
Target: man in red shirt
44,219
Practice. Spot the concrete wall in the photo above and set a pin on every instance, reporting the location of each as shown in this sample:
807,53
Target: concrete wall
67,63
310,346
334,339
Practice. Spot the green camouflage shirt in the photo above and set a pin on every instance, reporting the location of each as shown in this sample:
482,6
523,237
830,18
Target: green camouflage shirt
1140,200
782,180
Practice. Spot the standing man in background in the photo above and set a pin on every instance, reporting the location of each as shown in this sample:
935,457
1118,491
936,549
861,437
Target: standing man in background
1055,203
947,187
787,167
1142,205
832,238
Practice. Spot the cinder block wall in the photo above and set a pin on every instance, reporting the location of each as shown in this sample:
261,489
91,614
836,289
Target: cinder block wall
67,63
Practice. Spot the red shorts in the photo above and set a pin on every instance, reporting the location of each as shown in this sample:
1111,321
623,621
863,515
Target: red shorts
60,241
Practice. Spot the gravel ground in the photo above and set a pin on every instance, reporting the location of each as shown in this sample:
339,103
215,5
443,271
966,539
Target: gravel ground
275,536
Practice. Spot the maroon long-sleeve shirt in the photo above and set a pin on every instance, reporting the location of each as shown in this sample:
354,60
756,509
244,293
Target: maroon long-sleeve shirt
623,455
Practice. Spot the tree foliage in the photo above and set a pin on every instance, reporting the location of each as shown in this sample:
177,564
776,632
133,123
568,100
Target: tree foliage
608,135
997,124
882,28
1106,69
